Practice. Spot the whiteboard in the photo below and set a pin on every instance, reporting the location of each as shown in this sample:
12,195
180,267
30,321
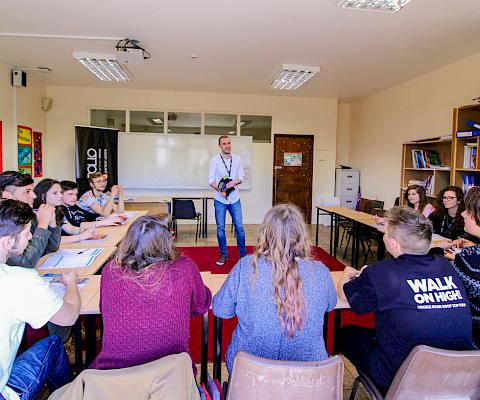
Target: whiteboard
174,161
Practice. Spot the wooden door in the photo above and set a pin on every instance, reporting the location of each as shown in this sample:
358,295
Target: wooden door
293,171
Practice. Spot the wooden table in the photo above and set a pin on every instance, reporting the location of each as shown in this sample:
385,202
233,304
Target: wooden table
154,204
357,218
81,271
217,282
116,234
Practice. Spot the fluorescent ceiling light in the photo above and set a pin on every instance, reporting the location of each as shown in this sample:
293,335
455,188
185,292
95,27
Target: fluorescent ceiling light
374,5
291,77
157,121
104,66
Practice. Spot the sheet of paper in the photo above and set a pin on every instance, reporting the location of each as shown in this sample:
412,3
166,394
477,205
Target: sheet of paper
57,285
71,258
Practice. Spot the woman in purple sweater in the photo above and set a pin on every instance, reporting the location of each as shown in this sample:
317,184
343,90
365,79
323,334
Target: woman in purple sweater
148,294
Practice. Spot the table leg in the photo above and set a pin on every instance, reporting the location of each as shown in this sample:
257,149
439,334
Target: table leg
77,336
217,349
331,233
337,321
203,367
354,244
337,232
316,232
90,339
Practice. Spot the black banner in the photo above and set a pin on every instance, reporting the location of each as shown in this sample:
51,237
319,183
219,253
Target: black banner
95,151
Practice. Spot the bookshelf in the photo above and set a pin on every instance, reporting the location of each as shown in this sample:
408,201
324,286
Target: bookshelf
465,155
435,169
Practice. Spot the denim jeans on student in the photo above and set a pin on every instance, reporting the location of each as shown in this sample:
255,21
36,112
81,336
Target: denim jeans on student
45,362
235,211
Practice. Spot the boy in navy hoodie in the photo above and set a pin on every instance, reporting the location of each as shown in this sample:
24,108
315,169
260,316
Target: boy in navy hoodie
417,299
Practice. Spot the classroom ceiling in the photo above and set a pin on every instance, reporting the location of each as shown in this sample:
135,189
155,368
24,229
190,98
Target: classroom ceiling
241,45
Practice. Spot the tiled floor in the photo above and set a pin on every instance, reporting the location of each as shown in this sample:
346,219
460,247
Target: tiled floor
186,237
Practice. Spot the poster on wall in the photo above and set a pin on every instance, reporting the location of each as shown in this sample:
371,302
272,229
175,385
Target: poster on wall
96,150
37,155
25,149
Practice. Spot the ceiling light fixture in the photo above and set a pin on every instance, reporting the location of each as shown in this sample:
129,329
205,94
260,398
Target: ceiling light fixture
156,121
374,5
291,77
104,66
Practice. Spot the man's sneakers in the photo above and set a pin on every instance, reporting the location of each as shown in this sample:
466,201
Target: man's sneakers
222,260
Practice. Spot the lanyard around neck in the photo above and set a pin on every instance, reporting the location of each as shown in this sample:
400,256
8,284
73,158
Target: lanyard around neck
229,171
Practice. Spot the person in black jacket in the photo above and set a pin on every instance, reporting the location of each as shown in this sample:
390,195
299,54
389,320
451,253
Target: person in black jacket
417,299
46,234
447,218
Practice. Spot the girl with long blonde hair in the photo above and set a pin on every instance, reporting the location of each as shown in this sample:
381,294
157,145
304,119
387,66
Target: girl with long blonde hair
279,294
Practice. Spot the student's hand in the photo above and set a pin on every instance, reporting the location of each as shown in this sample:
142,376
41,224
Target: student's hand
120,190
445,244
89,233
362,269
114,190
44,216
70,278
53,218
111,221
350,273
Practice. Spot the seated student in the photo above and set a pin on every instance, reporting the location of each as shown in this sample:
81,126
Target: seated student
147,295
45,232
447,219
417,299
467,262
416,198
97,201
49,191
27,298
78,217
279,294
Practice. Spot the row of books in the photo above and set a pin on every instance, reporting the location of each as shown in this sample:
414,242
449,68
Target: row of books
427,159
470,156
428,184
475,132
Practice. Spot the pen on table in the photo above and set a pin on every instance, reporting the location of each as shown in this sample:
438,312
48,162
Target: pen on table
51,275
82,251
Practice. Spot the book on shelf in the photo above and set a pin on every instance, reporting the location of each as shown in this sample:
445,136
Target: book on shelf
470,180
427,184
418,158
470,156
472,133
473,124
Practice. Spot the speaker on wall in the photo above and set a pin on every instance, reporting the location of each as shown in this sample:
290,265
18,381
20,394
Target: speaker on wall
19,78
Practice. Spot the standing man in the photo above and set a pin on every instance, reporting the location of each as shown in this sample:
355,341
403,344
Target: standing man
226,172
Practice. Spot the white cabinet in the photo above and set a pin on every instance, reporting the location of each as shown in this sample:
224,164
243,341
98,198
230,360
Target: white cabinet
347,183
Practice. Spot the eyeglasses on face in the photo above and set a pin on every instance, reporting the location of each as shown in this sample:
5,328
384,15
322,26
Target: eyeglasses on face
448,198
100,181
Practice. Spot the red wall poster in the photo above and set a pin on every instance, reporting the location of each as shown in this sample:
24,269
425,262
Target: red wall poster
37,155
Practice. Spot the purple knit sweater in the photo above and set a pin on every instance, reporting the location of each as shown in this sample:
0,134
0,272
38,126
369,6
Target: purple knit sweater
142,324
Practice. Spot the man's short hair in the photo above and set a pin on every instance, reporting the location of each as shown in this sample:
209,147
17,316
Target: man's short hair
95,175
68,185
410,228
14,215
14,178
222,137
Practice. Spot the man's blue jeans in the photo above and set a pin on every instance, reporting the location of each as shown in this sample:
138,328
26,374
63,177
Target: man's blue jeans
235,211
45,362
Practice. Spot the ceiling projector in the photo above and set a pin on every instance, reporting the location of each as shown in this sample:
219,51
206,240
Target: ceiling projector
127,55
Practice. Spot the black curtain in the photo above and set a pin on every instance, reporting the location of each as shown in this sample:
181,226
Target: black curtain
95,151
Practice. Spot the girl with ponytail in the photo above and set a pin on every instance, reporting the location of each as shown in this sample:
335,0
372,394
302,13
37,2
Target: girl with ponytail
279,294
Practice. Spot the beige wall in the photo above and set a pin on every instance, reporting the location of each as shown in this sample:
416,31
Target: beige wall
19,106
419,108
343,133
290,115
